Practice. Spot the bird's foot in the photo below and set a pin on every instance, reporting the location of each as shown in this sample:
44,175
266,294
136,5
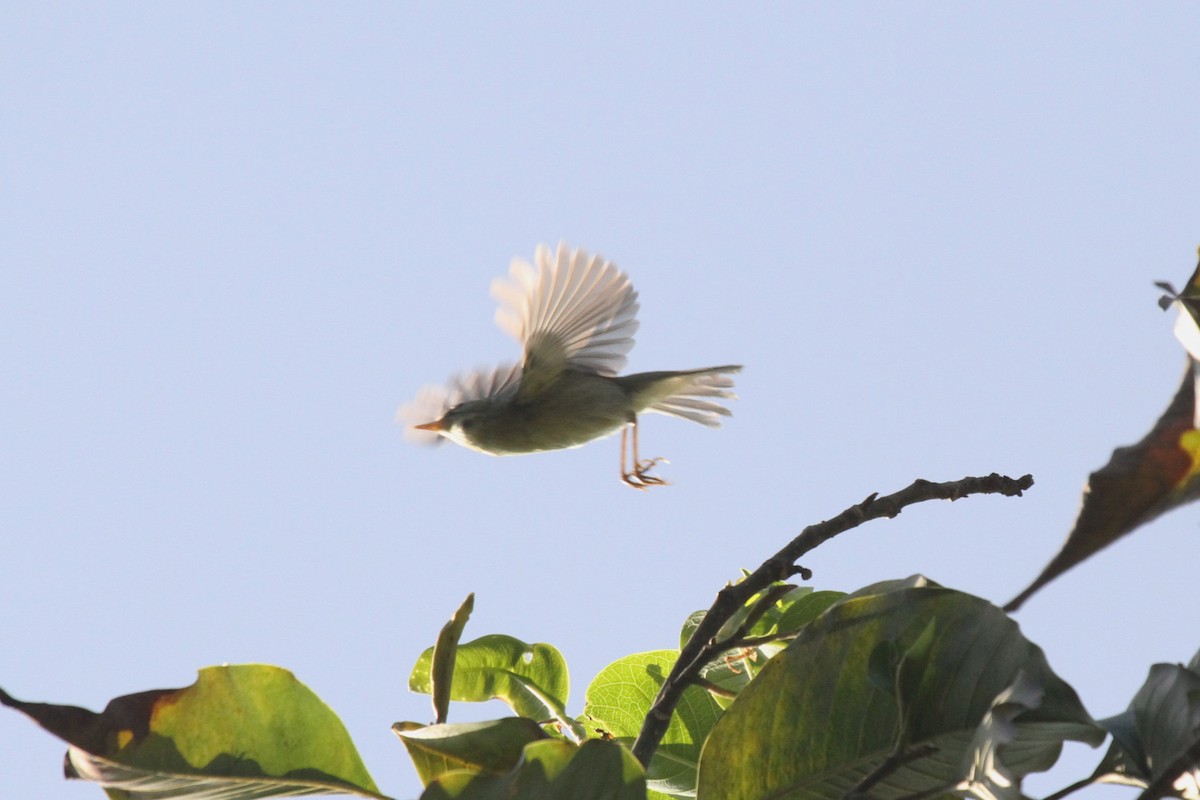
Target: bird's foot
640,477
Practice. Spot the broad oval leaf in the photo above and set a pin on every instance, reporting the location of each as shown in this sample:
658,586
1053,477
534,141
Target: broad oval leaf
553,770
494,746
530,678
1153,739
238,732
816,722
618,700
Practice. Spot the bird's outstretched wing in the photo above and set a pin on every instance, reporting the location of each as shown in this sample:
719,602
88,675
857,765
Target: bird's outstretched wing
432,402
571,311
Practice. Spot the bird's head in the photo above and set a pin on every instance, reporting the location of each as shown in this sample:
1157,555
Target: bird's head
464,424
458,410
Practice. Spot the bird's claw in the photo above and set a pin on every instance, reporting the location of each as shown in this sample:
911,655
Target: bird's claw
640,477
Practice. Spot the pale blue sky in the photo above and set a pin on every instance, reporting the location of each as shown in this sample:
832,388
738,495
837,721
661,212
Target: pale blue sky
236,237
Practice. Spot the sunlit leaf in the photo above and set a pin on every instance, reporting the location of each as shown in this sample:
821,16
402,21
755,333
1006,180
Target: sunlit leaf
1139,483
237,732
552,770
441,671
782,620
816,723
494,746
618,700
530,678
796,612
790,612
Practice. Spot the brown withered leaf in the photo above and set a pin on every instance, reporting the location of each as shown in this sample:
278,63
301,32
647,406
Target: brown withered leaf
1139,483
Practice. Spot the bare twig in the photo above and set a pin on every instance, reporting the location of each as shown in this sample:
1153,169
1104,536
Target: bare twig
704,646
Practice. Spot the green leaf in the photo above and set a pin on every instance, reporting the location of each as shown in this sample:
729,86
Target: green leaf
987,765
238,731
530,678
620,697
912,673
882,665
494,746
796,611
553,770
441,671
814,724
1152,738
785,617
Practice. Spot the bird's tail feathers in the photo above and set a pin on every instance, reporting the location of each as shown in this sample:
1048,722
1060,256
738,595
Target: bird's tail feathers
688,394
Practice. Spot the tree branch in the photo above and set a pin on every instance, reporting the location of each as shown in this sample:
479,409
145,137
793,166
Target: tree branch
703,646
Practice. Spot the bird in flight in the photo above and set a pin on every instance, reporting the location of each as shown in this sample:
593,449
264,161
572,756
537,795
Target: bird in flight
575,316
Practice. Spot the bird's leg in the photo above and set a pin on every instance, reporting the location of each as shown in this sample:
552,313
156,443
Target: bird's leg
627,477
638,475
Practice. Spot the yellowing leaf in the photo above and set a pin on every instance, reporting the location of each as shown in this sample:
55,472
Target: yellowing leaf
238,731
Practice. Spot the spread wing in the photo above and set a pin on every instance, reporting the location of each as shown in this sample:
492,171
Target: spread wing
571,311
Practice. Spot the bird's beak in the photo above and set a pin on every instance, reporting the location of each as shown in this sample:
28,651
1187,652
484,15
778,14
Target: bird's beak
434,426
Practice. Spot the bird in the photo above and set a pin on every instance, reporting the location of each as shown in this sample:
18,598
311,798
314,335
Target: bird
575,316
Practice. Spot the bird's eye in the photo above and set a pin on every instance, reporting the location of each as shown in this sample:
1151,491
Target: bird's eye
468,423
